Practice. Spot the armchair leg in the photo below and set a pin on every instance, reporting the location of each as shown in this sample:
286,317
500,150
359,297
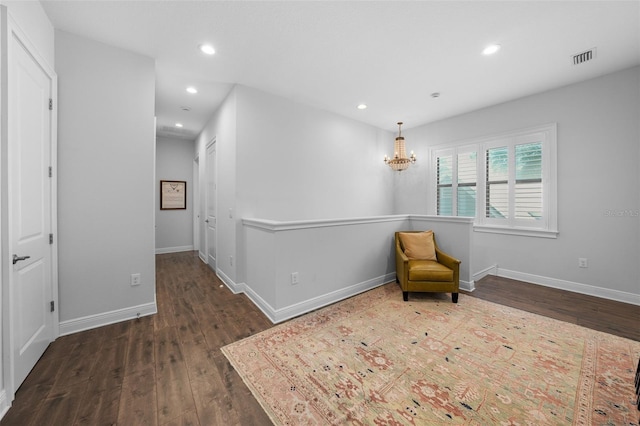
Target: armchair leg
454,297
405,296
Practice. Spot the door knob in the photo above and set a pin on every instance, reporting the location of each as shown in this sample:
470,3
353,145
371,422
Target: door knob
206,221
17,258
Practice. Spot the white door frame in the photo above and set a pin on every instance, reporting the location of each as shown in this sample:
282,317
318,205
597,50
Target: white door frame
9,31
196,204
206,202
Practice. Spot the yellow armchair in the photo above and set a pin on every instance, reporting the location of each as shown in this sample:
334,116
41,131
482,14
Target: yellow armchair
417,272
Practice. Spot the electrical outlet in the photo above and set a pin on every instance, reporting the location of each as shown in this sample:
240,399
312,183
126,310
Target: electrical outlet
231,260
582,262
135,279
294,278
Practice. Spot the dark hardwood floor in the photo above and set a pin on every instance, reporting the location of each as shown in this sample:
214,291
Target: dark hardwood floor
168,369
609,316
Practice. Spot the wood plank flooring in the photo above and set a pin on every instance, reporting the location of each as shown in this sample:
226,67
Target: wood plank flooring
168,369
609,316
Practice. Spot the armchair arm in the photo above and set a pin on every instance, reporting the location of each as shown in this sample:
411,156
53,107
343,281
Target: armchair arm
402,265
451,263
447,260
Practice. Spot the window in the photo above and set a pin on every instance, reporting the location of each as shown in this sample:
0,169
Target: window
466,192
445,185
506,182
528,183
456,182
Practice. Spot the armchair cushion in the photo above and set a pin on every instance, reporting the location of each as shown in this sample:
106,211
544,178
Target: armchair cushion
418,245
429,270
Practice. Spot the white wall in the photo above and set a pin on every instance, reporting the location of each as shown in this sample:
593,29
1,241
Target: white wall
174,228
222,127
281,160
296,162
106,203
598,171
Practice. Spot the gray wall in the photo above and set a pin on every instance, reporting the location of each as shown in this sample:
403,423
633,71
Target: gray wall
281,160
222,127
298,163
106,196
598,172
174,228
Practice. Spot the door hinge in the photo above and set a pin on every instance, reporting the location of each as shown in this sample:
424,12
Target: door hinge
53,306
50,104
50,238
50,171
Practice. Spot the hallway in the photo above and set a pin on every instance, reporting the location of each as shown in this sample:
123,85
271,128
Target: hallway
164,369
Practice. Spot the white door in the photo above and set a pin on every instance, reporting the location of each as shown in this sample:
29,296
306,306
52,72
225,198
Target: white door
211,204
30,210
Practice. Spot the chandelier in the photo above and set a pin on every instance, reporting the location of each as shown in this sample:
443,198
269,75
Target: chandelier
400,161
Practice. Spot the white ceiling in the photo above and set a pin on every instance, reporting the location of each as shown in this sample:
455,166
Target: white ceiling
334,55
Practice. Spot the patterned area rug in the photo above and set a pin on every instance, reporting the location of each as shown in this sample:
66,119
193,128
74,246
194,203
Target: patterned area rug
376,360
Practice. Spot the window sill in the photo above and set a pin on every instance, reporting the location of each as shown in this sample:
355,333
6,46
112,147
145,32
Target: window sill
524,232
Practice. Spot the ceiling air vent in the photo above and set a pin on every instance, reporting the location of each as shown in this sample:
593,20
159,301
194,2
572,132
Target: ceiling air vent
584,56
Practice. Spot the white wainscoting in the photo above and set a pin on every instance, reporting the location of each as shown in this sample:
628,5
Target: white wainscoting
338,258
333,259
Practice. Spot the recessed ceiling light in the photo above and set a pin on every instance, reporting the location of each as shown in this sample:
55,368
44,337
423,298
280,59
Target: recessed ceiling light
362,106
192,89
207,48
178,124
435,95
185,108
491,49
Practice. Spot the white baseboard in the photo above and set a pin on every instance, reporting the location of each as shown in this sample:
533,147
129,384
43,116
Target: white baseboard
297,309
279,315
491,270
173,249
259,302
233,286
106,318
468,285
5,404
589,290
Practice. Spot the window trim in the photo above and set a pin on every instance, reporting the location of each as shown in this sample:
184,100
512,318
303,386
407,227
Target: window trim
547,134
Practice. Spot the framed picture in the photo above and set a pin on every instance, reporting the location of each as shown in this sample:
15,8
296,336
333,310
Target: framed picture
173,195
